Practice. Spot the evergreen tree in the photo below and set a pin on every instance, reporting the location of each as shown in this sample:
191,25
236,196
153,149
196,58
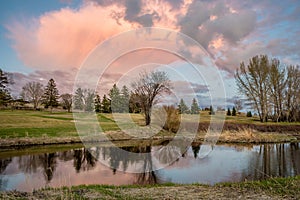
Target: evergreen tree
211,110
79,99
50,98
194,107
4,93
125,96
89,96
182,107
249,114
228,112
106,105
115,98
233,111
97,103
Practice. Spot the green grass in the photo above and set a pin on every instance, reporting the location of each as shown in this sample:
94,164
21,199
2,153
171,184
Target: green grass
283,187
274,188
289,186
17,124
33,124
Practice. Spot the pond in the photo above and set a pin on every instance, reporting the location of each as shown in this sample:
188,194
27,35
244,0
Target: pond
29,169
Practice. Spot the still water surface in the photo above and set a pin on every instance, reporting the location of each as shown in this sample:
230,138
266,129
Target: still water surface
25,170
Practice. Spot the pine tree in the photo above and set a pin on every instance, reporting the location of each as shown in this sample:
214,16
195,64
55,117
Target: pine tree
233,111
84,99
194,107
249,114
89,96
125,96
115,98
182,107
97,103
50,98
211,110
4,93
106,105
79,99
228,112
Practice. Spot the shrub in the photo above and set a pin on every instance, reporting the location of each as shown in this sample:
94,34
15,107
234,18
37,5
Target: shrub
173,119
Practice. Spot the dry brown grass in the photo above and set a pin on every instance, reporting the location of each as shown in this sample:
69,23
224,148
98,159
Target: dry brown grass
248,135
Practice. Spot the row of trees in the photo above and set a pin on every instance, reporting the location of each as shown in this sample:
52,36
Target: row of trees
117,100
271,89
146,92
33,92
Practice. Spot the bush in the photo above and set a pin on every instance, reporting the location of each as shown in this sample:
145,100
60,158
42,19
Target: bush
173,119
166,117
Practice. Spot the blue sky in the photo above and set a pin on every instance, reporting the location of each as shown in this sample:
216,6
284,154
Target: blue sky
50,39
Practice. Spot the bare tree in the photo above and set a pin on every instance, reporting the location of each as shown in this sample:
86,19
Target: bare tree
67,101
292,93
277,87
148,88
33,91
238,104
253,82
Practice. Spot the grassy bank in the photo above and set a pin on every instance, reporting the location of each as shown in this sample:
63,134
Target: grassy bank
274,188
38,127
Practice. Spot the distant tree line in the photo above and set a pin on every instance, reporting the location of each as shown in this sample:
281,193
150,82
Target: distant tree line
271,88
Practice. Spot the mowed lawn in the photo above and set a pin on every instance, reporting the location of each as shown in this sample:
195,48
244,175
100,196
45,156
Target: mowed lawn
17,124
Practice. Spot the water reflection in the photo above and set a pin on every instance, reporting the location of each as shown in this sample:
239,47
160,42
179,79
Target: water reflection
81,166
276,160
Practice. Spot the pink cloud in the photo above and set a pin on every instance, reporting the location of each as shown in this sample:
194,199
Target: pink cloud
63,38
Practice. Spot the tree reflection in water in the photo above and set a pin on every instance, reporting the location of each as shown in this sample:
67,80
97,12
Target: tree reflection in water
49,164
3,164
264,161
275,160
85,158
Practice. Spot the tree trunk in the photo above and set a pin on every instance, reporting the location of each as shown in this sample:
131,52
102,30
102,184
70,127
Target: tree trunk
147,118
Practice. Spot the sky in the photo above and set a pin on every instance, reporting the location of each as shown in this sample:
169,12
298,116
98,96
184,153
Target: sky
40,40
